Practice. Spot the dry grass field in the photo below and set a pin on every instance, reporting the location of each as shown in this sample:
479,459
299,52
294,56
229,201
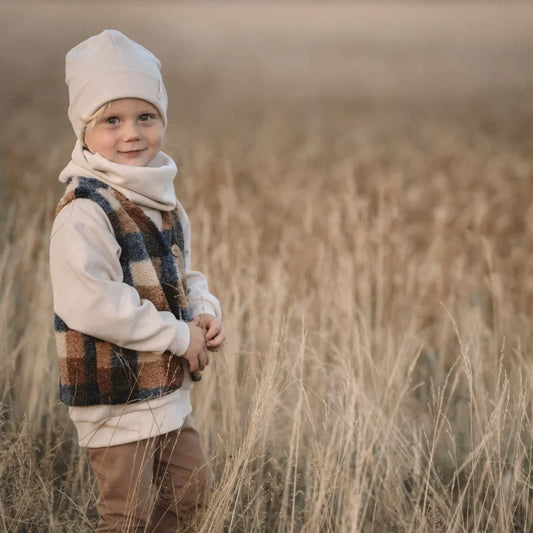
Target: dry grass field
359,179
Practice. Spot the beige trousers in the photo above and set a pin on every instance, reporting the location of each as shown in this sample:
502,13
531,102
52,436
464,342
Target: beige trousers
153,485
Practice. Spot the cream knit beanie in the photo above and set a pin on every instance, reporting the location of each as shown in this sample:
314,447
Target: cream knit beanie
107,67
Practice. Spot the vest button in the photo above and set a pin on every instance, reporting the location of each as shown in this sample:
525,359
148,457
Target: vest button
175,249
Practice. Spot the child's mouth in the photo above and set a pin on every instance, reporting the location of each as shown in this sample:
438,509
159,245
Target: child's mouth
132,153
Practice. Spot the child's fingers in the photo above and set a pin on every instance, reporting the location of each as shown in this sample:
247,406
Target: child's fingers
216,341
199,322
196,376
203,359
212,331
214,328
193,366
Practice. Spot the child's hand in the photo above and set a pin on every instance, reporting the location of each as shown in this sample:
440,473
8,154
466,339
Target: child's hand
197,354
213,329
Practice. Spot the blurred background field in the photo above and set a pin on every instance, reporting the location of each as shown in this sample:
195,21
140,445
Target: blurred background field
359,181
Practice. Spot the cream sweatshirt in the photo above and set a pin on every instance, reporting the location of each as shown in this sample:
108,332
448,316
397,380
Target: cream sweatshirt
90,296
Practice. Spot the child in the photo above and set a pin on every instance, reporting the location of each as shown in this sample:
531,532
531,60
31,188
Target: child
133,322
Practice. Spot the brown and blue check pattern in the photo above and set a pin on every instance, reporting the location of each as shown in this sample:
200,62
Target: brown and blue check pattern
94,371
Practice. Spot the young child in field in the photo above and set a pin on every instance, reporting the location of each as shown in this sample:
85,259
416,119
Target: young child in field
133,322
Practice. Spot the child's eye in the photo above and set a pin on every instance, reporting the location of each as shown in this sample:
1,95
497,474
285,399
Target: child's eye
111,120
145,116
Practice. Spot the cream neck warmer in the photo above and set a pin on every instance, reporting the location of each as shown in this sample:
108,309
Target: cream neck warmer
150,186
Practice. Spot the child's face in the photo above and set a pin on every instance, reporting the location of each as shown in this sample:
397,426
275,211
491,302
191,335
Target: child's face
130,132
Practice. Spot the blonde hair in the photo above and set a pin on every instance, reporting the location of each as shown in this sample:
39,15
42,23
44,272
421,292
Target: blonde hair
90,121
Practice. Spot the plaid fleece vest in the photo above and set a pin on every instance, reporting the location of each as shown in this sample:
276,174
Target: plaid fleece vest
94,371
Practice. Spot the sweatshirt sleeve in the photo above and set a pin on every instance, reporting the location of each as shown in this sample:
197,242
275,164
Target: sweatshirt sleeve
200,299
89,293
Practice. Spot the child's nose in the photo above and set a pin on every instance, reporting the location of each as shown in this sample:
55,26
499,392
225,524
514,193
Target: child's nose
131,131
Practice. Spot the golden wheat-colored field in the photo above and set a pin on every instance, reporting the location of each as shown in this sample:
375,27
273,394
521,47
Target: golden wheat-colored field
359,179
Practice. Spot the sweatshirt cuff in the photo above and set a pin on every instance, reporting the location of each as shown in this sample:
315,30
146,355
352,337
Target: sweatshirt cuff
202,307
182,339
